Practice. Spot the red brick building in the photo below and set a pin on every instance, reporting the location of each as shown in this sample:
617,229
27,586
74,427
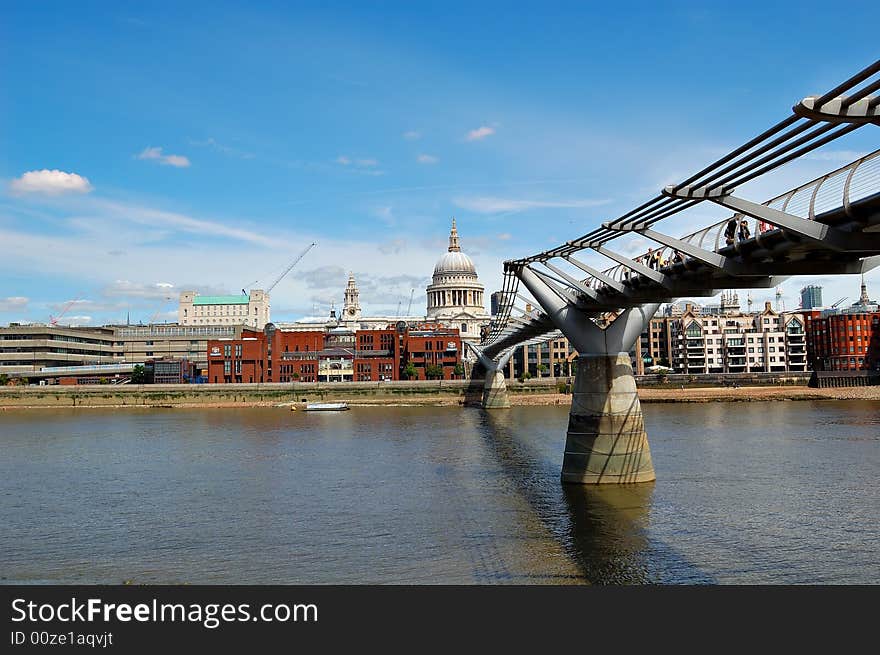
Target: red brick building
846,340
431,347
267,356
335,355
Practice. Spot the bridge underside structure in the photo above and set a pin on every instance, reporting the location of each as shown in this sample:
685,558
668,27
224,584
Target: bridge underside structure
828,226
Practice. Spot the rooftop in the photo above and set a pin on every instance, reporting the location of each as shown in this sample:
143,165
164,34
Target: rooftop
221,300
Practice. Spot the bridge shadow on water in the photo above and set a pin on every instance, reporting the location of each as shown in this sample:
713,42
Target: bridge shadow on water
602,528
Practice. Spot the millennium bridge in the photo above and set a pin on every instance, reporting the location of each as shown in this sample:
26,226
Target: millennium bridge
827,226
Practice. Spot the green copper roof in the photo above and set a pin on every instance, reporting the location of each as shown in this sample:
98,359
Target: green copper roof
220,300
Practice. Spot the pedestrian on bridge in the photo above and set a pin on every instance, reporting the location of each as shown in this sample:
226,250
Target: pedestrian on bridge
744,230
730,231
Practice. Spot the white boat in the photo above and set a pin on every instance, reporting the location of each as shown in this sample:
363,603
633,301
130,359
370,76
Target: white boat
326,407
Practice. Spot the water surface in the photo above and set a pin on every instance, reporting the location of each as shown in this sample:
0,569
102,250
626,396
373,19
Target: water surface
777,492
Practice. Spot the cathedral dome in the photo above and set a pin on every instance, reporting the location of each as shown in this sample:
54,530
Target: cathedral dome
454,262
455,296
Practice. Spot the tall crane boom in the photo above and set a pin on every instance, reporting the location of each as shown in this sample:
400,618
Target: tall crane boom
53,320
290,266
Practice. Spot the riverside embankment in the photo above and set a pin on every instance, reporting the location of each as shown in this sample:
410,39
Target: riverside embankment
546,391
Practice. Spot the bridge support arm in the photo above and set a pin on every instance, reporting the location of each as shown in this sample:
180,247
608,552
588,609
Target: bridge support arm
633,265
494,386
599,275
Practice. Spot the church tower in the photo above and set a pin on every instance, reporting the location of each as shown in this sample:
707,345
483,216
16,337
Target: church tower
351,308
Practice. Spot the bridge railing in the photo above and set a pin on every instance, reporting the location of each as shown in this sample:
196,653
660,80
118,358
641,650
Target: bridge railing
815,121
839,188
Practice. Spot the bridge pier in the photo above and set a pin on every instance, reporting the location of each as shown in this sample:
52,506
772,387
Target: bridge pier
495,386
606,442
495,390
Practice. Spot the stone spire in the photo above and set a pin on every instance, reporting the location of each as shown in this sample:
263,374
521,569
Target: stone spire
863,298
453,239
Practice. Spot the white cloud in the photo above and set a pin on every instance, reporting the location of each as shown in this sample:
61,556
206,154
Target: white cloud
77,320
385,214
126,288
323,277
13,303
493,205
480,133
158,218
178,161
843,156
366,165
427,159
85,305
393,247
51,183
504,236
75,257
212,143
412,135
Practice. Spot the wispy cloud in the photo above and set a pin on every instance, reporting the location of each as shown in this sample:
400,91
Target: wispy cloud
842,156
161,218
85,305
214,145
427,159
155,154
345,160
367,165
73,321
385,214
129,289
13,304
494,205
323,277
393,247
480,133
49,182
412,135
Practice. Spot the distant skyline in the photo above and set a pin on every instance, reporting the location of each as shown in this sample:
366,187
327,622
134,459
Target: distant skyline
146,149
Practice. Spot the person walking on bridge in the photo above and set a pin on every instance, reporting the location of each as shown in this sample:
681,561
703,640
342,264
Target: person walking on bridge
744,233
730,231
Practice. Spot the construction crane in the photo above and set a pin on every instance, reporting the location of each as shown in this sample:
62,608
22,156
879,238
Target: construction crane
53,320
838,302
161,307
288,268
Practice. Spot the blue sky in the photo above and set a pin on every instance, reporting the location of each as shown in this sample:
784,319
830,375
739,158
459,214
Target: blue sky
205,145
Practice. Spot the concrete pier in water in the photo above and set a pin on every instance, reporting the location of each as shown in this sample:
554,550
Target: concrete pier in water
606,440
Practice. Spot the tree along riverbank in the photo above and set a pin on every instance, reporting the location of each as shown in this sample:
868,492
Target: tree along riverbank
547,391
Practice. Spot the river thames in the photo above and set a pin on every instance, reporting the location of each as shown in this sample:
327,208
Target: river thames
770,492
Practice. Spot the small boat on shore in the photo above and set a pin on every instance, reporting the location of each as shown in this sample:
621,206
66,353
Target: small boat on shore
326,407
